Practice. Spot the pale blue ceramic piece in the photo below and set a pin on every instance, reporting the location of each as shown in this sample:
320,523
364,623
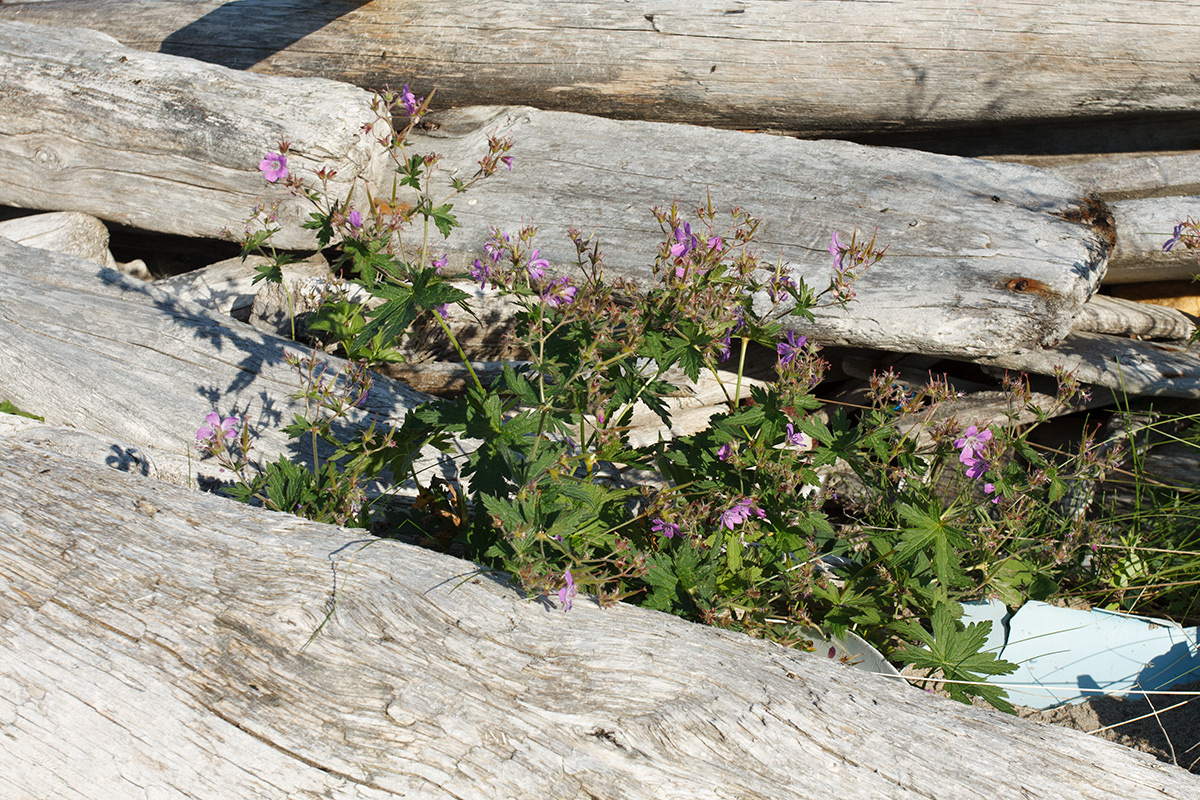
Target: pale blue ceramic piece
1066,655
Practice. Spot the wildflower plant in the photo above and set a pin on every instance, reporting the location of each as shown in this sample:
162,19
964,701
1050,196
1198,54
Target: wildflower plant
739,528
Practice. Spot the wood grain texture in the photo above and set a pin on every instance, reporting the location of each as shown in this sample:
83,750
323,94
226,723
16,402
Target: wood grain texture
1143,227
1121,317
166,143
981,257
151,645
1123,365
819,68
85,346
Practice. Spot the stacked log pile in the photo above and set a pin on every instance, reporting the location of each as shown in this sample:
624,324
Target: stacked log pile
995,264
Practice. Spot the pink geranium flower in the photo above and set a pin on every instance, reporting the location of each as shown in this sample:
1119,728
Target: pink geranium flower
274,167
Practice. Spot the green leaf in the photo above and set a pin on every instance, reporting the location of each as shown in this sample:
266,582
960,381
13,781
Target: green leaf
8,408
444,220
272,272
926,528
956,651
323,225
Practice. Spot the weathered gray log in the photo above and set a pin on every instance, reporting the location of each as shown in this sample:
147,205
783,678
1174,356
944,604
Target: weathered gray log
982,258
1147,194
228,286
1121,317
816,68
1124,176
85,346
166,143
152,642
1143,227
70,232
1126,366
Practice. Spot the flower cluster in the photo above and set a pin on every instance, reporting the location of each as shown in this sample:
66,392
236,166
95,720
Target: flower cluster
971,448
510,263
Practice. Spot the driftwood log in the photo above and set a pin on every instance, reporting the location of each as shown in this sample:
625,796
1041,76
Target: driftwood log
1147,193
982,258
165,143
1126,366
813,68
84,346
153,643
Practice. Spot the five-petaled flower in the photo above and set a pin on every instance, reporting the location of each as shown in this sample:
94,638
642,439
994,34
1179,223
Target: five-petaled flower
685,242
355,219
797,438
480,272
790,348
440,263
216,431
274,167
739,512
559,292
665,529
537,266
972,444
725,451
566,595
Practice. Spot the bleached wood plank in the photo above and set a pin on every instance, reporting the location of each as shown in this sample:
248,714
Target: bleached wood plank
818,68
1124,176
1123,365
1120,317
84,346
1143,227
152,643
981,259
166,143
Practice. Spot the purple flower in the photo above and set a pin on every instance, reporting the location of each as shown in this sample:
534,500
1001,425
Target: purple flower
537,266
362,398
716,244
726,344
216,430
685,242
355,219
972,443
790,348
797,438
507,162
440,263
443,310
494,250
559,292
838,252
778,287
566,595
976,467
725,451
480,272
274,167
741,511
667,530
1174,240
409,100
991,488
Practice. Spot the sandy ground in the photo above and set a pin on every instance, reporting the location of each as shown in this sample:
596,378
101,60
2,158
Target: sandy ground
1171,735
